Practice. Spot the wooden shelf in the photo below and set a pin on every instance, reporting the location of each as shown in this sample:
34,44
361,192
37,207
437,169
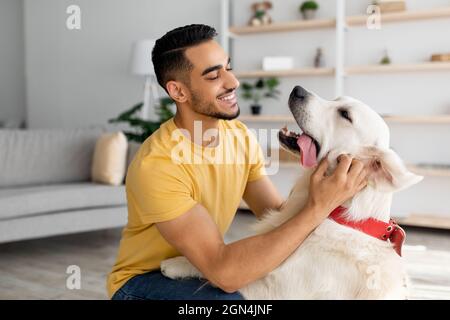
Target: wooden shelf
413,220
287,160
352,70
285,26
423,171
430,171
435,13
299,25
301,72
395,68
422,220
266,118
438,119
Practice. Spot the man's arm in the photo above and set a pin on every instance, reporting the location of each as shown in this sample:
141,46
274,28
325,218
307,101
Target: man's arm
232,266
261,195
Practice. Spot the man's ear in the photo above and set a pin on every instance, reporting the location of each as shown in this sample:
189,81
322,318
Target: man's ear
177,91
386,171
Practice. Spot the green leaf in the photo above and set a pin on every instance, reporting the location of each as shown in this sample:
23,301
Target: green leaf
272,83
246,86
127,114
309,5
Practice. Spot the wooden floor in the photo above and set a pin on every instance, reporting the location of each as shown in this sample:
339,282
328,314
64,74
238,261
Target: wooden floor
36,269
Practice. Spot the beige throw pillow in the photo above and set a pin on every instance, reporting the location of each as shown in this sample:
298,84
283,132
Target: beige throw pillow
110,157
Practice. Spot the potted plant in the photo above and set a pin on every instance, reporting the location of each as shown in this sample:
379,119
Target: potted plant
144,128
385,59
308,9
262,88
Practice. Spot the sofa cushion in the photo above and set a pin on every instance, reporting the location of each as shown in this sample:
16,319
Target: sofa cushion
110,157
30,157
26,201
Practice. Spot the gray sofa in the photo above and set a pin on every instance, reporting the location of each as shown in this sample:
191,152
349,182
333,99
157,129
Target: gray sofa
45,186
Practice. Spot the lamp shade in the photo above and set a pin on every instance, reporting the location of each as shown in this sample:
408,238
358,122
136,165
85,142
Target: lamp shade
141,57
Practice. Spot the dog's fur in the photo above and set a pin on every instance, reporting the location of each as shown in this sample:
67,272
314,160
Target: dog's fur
334,262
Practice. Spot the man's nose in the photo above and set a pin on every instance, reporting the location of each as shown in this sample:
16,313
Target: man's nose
231,81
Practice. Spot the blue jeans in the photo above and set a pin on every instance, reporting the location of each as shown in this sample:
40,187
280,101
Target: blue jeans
154,286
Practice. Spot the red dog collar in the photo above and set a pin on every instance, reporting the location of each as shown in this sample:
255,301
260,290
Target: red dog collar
376,228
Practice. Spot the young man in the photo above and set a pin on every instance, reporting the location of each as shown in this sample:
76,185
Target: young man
183,207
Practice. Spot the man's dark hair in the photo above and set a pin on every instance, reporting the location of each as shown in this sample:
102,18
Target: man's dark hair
168,55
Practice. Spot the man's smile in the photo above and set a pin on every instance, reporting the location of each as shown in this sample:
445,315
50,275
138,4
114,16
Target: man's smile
228,100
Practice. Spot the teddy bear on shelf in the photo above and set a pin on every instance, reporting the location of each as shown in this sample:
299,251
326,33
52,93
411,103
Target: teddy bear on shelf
260,15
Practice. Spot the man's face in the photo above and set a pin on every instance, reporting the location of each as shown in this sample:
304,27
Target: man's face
212,84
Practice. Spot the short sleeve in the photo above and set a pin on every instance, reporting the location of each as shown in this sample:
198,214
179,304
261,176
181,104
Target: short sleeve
159,190
257,161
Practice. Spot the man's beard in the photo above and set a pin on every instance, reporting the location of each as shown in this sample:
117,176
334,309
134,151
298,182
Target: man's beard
209,109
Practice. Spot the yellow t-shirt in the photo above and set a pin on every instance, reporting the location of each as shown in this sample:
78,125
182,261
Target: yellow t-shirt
168,176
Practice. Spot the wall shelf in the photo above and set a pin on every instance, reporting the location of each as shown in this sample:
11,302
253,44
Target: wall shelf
424,220
412,220
437,119
425,119
285,26
396,68
435,13
266,118
430,171
299,25
352,70
426,171
301,72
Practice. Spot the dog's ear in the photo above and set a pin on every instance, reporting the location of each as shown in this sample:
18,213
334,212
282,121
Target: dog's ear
386,171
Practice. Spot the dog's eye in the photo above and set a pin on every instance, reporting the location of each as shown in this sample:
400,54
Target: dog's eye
345,114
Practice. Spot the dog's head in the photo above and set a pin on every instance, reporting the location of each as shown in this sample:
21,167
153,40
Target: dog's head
344,125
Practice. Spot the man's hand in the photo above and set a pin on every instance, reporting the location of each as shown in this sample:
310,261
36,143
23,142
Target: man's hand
328,192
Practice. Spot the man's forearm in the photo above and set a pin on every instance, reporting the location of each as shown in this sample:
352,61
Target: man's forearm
249,259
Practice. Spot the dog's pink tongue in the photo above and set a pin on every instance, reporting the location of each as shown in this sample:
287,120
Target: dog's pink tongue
308,151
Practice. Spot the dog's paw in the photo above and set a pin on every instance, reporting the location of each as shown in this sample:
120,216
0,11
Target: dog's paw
178,268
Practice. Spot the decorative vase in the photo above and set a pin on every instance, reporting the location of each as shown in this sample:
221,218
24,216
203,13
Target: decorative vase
256,109
309,14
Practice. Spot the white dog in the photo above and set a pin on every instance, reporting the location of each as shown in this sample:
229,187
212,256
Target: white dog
356,252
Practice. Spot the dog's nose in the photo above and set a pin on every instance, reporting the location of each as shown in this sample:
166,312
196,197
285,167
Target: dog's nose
299,92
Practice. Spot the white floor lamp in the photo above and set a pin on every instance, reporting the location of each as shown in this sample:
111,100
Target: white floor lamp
141,64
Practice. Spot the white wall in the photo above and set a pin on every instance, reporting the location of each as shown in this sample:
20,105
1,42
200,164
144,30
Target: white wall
12,76
81,77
